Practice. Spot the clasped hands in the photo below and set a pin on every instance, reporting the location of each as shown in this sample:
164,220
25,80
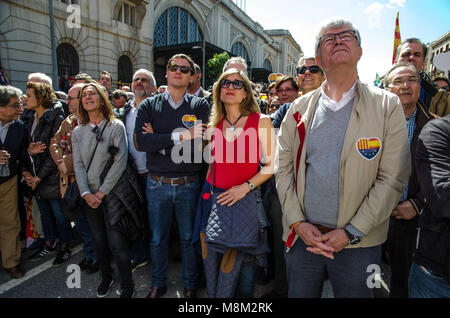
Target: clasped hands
31,181
321,244
94,200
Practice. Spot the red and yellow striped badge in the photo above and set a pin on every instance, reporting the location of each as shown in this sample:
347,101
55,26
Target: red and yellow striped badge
368,147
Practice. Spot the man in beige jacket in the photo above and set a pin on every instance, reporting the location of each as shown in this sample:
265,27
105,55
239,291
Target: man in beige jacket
342,164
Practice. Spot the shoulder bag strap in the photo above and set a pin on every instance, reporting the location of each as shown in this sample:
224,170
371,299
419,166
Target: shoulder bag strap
92,157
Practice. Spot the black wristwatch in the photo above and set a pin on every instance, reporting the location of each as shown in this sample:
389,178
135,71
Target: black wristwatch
352,238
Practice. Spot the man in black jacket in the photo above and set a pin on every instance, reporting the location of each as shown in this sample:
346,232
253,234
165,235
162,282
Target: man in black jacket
143,86
403,80
430,272
14,143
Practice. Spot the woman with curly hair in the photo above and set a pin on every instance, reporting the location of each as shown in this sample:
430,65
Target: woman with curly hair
42,125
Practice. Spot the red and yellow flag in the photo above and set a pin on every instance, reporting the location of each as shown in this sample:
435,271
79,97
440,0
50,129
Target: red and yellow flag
397,38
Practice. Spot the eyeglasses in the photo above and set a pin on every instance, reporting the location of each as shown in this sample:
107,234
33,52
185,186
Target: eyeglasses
314,69
237,84
286,90
401,82
183,69
98,135
345,36
15,105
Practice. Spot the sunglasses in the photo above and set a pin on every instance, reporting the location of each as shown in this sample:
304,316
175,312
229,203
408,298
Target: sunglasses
237,84
314,69
183,69
98,135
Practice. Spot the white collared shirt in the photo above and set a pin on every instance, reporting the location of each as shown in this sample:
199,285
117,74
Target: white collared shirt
346,97
4,130
174,105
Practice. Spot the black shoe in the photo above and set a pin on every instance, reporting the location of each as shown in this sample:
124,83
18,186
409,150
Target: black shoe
92,268
48,249
83,264
105,286
126,292
62,256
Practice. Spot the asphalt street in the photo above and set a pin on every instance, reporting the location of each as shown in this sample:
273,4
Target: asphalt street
42,280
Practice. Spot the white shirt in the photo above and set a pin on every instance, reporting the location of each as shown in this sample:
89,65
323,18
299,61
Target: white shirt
346,97
140,158
4,130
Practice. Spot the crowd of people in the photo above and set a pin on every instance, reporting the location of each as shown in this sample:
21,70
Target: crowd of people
341,173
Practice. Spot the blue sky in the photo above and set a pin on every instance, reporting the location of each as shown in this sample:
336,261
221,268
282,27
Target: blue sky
426,20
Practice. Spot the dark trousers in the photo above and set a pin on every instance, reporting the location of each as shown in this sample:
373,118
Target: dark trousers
141,248
108,243
400,247
275,217
348,271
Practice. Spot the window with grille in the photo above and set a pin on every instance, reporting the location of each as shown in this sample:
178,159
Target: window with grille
176,26
124,70
68,61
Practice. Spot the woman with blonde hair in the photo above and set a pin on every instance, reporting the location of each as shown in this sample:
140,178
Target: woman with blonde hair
91,140
241,137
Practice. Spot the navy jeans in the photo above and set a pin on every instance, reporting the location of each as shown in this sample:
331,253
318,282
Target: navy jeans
54,223
163,201
348,271
426,285
82,227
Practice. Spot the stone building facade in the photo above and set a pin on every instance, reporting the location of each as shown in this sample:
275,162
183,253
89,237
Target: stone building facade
121,36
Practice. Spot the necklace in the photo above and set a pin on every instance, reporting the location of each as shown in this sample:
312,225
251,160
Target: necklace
232,124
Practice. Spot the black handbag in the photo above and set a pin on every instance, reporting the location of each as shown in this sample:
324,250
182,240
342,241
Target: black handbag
71,202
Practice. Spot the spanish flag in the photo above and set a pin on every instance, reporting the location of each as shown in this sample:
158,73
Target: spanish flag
397,38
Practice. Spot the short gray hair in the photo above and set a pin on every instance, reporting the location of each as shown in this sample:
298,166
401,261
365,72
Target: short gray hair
148,73
335,23
410,66
43,78
235,60
7,92
305,58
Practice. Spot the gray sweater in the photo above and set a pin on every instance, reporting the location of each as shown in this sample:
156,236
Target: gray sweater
83,143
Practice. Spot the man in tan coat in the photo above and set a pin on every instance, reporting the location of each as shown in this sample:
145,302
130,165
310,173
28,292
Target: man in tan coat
342,164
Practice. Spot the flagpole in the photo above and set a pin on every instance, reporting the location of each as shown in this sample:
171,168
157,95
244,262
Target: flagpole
397,39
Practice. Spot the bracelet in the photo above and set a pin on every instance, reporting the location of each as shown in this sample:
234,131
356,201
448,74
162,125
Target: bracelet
293,225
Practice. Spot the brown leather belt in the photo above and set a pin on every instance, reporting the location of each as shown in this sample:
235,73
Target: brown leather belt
324,229
174,181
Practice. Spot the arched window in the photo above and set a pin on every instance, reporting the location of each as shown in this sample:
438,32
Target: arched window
176,26
238,49
124,70
68,61
267,65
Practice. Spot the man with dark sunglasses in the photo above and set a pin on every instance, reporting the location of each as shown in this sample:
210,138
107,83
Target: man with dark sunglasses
309,77
167,124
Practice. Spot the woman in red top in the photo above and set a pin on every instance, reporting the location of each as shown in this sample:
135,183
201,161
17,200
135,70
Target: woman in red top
241,137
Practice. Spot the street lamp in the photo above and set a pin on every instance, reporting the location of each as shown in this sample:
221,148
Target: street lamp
204,43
